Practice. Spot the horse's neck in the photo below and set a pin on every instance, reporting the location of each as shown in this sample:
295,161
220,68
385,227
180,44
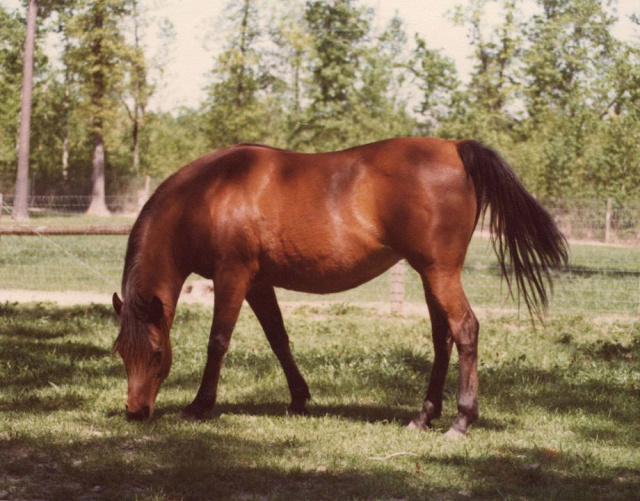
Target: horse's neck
155,274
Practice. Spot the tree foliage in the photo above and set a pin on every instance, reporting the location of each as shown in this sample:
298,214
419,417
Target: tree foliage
11,41
555,90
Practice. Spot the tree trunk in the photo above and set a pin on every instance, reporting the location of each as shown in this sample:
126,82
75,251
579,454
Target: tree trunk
137,104
98,205
65,142
66,106
243,53
21,203
65,155
136,144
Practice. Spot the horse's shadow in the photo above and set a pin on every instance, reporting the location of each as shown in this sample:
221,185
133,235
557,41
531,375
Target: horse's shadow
372,414
360,413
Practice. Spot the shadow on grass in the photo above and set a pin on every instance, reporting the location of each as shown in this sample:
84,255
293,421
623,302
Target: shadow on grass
358,413
45,347
205,466
586,271
54,313
610,404
541,473
397,375
36,363
210,464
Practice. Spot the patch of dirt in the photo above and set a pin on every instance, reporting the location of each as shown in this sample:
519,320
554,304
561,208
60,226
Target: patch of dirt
201,292
196,292
63,298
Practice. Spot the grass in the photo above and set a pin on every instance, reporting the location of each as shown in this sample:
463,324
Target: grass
559,408
604,279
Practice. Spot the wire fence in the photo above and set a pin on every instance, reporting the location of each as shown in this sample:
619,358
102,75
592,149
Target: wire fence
597,220
72,205
605,221
59,249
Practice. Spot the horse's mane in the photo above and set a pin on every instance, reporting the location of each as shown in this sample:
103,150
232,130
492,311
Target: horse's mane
133,339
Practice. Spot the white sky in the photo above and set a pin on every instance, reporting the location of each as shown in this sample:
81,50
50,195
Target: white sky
196,22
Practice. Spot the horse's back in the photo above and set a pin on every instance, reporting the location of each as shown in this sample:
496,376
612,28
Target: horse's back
320,222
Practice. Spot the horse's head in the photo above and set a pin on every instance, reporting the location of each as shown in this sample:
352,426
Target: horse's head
145,348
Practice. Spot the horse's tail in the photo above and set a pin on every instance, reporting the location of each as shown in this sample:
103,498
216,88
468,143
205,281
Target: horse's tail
526,239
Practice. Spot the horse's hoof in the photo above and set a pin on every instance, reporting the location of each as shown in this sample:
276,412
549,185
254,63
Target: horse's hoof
298,411
418,425
190,414
454,434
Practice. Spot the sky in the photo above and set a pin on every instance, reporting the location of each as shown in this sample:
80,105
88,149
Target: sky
198,33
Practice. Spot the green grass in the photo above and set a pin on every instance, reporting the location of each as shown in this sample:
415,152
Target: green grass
603,279
45,218
559,412
92,263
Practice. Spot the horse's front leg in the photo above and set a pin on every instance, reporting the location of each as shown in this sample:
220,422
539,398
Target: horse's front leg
263,301
230,289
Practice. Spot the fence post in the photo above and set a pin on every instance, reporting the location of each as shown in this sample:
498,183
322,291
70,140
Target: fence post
397,287
607,223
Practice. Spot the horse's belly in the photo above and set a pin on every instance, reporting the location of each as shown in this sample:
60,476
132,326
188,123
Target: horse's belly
325,274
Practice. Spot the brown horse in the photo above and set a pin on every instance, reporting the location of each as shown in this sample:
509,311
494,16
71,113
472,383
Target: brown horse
252,218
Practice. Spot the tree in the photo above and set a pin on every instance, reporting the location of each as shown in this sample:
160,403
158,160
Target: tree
436,78
138,87
493,81
177,138
163,57
337,31
242,102
568,92
21,204
570,44
484,109
291,49
378,107
36,10
98,57
11,41
615,172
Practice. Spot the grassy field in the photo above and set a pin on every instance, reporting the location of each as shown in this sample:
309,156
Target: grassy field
603,279
559,412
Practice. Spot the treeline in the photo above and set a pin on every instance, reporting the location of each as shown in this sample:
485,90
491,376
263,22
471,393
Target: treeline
555,91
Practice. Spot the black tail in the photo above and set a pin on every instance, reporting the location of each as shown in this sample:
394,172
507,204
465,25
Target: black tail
525,237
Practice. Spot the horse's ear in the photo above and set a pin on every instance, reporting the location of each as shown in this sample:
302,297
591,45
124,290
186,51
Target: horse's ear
117,303
156,310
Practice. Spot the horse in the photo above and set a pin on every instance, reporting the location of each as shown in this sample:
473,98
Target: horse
252,217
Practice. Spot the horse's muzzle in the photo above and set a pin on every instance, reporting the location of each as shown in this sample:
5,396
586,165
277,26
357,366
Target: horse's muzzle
141,415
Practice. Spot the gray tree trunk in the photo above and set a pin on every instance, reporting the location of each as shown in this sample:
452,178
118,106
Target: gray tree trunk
98,205
21,201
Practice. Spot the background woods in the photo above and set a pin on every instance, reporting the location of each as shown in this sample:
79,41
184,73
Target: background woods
551,87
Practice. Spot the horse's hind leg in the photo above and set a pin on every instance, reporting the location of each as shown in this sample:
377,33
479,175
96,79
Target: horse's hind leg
230,289
452,321
442,344
263,301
